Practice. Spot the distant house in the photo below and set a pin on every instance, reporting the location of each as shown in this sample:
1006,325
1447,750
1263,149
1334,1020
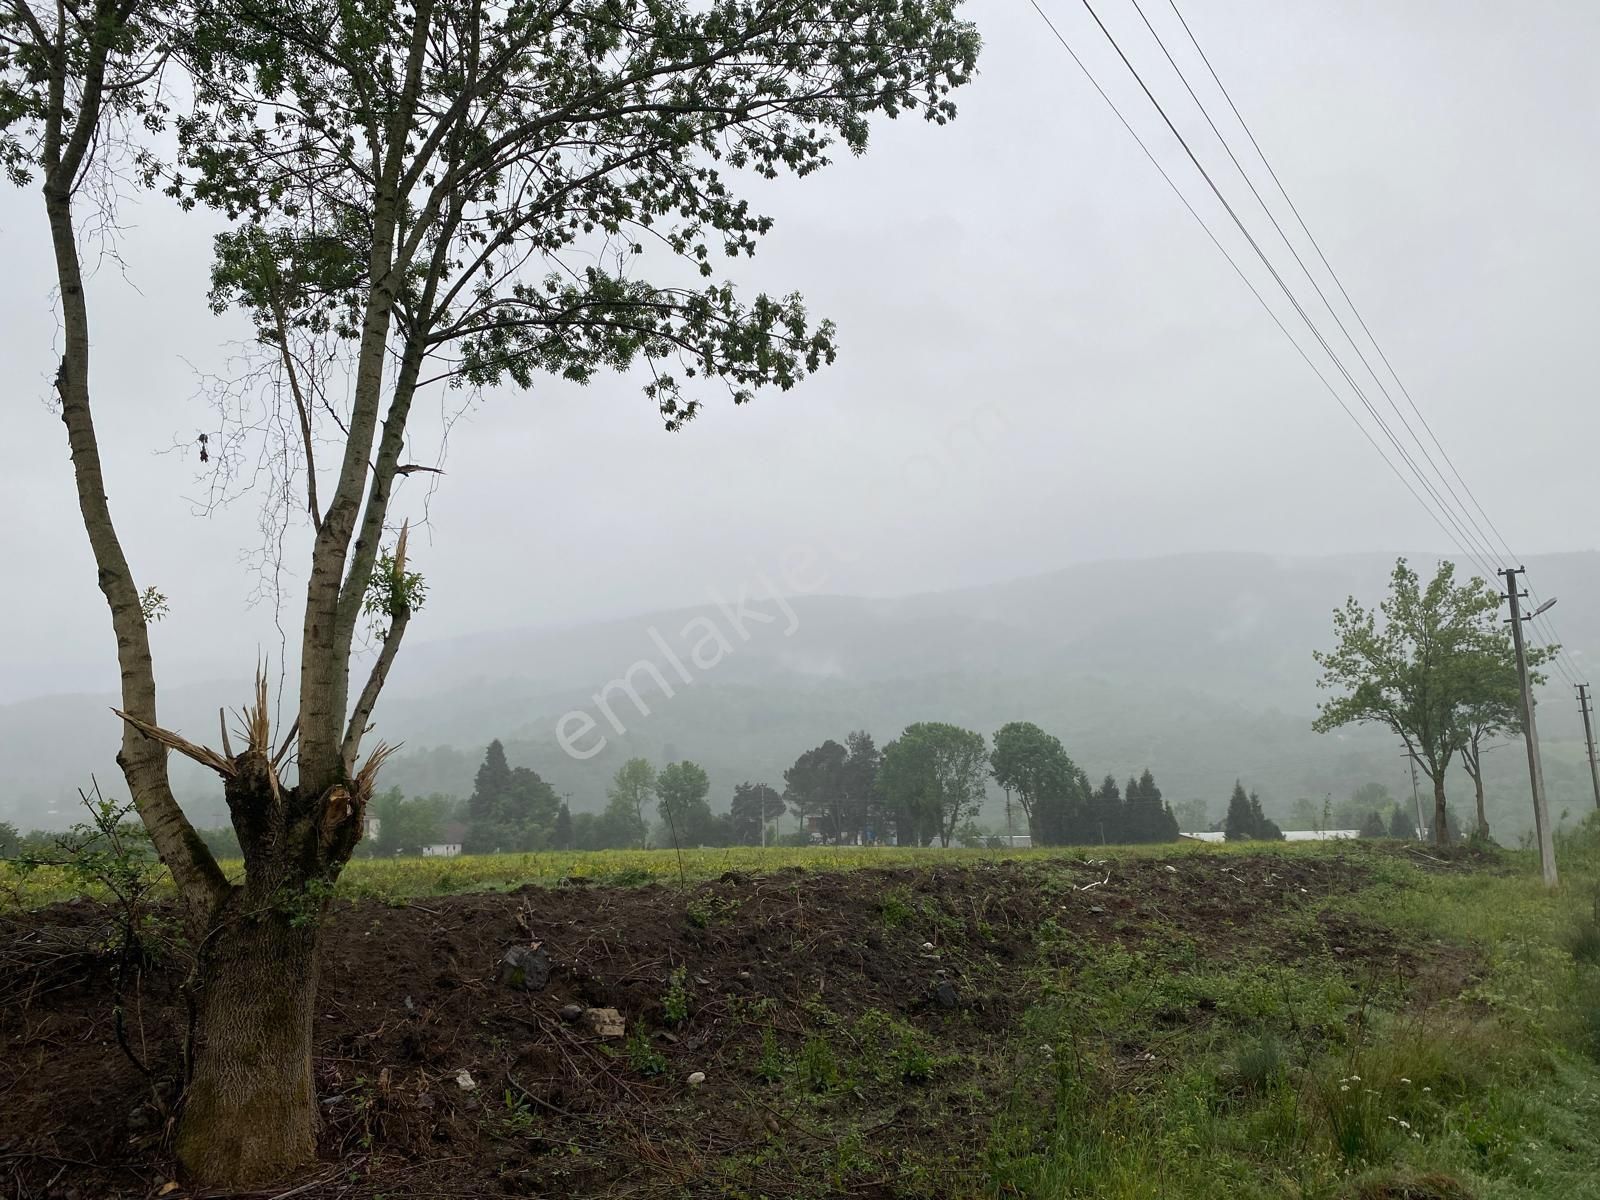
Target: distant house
1289,835
370,826
452,833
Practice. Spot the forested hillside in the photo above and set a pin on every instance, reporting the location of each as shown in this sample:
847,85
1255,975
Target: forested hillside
1198,667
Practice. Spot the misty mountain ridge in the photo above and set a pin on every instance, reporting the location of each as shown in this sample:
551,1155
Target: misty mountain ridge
1197,666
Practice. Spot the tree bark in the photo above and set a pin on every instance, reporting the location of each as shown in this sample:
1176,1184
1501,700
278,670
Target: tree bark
1441,827
201,883
249,1116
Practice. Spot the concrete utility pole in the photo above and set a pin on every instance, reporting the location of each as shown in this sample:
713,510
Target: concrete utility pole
1588,739
1530,733
1416,796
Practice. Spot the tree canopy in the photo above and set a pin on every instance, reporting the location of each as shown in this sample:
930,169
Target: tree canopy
1430,663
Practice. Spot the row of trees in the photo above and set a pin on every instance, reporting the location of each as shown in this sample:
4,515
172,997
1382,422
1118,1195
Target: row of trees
1434,665
927,785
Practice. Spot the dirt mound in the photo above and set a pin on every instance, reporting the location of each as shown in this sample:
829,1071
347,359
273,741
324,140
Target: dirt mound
437,1077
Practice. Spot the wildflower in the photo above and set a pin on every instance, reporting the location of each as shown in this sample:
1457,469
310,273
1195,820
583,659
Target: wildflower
1403,1079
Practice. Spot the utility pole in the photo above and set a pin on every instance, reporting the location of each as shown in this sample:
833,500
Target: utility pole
1588,739
1416,796
1530,733
1011,838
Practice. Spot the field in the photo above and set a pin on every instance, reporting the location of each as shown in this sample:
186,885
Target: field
380,879
1361,1021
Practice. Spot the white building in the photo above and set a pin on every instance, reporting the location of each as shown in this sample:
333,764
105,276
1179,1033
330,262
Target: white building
442,850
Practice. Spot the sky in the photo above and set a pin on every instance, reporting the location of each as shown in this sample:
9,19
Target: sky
1043,360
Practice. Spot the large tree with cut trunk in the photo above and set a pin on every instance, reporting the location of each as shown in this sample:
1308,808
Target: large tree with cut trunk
421,195
1429,663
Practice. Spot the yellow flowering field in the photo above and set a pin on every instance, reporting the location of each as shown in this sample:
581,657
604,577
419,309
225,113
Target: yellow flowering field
404,877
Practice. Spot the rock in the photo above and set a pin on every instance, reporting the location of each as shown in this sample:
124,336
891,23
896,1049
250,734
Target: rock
571,1012
465,1081
745,978
604,1022
1096,908
1172,868
525,968
927,945
696,1078
944,995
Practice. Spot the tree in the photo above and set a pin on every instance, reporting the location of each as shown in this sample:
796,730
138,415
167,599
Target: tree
633,786
1401,825
754,806
1414,665
1372,825
1240,823
10,840
859,781
681,791
933,779
1106,815
561,834
1492,704
815,788
1146,817
406,826
405,184
1031,765
510,809
1262,827
1192,815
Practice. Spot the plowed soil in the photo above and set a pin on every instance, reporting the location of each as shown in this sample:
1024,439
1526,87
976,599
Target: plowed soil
769,967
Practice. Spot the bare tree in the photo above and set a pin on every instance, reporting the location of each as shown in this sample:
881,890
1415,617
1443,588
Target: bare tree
462,195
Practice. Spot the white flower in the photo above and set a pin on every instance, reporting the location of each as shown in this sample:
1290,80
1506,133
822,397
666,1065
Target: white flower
1403,1079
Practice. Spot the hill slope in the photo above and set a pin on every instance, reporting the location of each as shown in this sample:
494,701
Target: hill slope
1197,666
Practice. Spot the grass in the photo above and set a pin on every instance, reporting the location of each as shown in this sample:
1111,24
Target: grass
1456,1057
1306,1084
406,878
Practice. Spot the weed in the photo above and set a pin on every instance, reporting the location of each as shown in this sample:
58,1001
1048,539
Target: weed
675,1003
644,1057
706,911
895,910
1582,940
769,1068
915,1062
819,1070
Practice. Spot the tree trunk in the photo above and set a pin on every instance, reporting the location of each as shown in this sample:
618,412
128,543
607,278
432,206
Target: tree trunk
1483,820
1441,827
249,1117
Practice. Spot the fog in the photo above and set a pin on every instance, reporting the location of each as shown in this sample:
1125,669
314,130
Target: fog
1043,359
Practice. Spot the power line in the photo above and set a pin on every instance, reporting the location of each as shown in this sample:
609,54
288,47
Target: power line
1334,275
1294,300
1543,622
1479,540
1245,279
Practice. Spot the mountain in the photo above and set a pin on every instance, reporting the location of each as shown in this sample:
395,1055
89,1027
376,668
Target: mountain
1197,666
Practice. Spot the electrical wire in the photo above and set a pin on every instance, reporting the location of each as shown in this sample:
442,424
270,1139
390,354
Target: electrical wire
1452,536
1464,539
1543,623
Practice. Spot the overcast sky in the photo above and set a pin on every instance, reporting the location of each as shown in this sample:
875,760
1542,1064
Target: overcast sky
1043,359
